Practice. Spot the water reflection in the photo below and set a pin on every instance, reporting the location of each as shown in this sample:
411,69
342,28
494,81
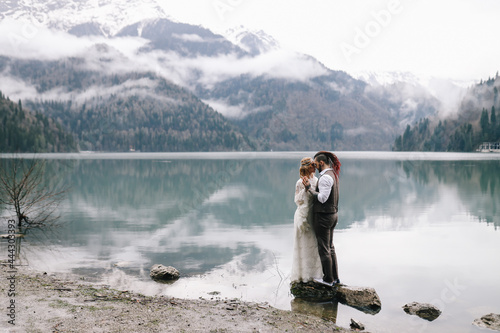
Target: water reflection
325,310
226,224
198,213
473,181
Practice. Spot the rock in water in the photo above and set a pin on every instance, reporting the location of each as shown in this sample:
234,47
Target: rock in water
362,298
357,325
423,310
162,273
313,291
491,321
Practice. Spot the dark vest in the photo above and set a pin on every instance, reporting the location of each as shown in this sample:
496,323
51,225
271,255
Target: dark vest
332,203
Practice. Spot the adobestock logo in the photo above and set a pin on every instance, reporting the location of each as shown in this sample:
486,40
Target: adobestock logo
373,28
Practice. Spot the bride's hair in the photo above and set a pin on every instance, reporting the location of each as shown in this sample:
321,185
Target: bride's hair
305,163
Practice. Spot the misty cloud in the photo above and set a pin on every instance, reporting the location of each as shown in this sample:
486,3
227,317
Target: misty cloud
230,111
210,70
15,88
275,64
449,93
344,89
409,91
142,87
357,131
119,55
189,37
42,43
233,111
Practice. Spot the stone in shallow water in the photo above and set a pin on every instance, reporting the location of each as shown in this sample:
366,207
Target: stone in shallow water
162,273
423,310
362,298
357,325
491,321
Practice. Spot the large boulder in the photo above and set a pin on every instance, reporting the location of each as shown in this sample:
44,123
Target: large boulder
423,310
162,273
362,298
491,321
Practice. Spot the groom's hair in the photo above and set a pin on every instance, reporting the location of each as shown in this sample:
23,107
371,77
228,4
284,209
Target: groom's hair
331,160
324,158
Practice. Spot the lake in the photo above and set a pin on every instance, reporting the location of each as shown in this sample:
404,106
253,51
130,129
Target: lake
415,226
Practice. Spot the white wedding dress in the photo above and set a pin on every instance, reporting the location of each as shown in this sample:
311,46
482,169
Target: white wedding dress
306,264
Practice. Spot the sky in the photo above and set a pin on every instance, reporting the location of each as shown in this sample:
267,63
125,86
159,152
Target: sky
446,39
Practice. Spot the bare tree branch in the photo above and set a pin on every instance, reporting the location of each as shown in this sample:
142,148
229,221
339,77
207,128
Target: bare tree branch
23,191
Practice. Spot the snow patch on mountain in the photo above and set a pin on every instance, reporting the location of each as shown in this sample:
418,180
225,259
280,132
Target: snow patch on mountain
391,77
110,15
254,42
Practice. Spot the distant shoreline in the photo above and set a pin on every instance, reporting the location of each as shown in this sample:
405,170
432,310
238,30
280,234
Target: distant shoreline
376,155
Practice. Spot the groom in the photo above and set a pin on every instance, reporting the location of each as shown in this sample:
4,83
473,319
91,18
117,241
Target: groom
325,208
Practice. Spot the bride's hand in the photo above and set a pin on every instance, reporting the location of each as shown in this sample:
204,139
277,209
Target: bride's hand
307,184
305,181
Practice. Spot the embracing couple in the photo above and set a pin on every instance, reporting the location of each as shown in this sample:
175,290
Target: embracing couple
316,216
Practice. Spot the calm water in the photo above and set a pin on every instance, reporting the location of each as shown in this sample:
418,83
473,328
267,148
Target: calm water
416,227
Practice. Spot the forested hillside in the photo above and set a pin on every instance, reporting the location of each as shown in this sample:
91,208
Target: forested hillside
120,112
475,122
333,111
26,131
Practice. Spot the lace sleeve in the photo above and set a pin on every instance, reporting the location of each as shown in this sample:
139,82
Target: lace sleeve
300,193
314,182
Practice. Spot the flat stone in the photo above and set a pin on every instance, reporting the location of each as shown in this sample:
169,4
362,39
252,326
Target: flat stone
364,299
490,321
423,310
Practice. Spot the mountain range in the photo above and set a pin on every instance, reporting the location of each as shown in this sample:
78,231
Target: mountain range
124,75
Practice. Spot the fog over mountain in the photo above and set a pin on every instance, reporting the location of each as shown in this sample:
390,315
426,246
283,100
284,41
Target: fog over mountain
279,99
448,92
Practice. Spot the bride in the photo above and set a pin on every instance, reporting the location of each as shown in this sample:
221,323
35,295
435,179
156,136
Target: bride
306,264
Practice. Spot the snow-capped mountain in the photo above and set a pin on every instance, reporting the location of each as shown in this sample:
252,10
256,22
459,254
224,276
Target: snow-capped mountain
140,18
254,42
385,78
109,16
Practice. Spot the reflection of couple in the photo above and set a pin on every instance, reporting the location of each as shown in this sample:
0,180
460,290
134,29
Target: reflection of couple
315,219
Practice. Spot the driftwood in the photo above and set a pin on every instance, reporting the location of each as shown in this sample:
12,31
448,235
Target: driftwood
364,299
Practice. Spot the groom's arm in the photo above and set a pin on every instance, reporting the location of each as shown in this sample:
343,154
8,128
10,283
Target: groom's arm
325,184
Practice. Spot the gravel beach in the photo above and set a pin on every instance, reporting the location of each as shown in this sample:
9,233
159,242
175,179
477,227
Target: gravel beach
46,303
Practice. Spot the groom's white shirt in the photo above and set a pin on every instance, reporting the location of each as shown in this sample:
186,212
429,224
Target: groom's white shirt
325,184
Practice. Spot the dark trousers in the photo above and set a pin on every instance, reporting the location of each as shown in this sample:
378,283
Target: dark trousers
324,223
